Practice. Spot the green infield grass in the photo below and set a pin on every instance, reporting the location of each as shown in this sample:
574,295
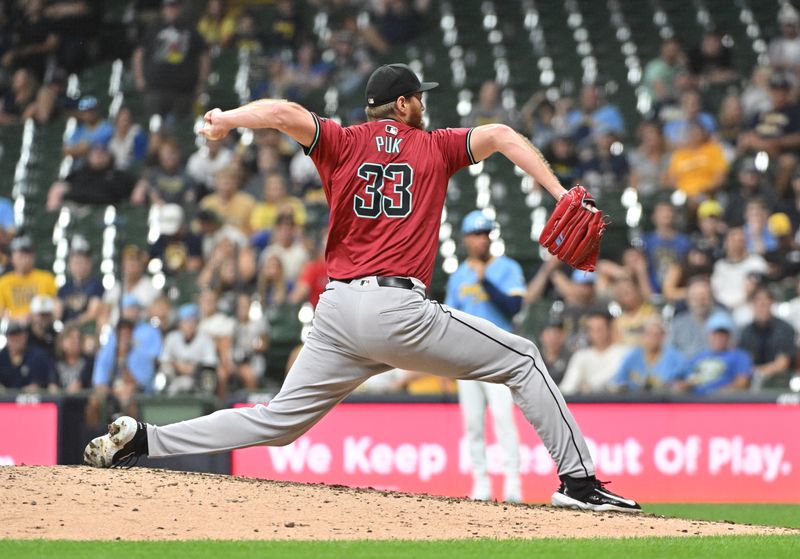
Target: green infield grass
766,515
731,547
677,548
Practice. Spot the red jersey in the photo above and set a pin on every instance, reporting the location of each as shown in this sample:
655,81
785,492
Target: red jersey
315,275
385,182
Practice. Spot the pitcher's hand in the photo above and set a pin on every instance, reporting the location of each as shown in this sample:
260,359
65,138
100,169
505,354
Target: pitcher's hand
214,128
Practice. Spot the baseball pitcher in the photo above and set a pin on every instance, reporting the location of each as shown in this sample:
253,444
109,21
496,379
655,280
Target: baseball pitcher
385,181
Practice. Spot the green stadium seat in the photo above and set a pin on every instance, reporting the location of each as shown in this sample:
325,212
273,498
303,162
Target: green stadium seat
534,318
162,410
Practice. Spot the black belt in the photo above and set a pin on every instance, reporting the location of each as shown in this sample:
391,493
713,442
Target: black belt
386,281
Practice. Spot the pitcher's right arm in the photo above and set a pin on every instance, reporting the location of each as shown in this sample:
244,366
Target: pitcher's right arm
290,118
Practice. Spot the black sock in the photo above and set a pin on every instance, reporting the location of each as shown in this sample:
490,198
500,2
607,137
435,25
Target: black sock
140,446
578,485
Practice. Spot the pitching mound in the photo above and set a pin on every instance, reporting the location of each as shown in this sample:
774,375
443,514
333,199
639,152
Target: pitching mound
81,503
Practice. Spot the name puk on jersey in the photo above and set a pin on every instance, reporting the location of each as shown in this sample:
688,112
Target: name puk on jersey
387,144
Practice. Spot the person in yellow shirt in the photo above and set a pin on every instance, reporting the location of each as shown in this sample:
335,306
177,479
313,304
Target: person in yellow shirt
276,199
417,383
19,286
233,206
635,312
217,26
698,168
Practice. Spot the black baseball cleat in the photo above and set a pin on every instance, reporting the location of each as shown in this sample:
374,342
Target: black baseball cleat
592,496
125,442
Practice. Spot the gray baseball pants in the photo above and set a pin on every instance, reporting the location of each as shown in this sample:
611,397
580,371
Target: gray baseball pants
361,329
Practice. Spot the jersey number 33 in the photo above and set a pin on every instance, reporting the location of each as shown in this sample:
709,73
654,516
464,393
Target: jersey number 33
386,190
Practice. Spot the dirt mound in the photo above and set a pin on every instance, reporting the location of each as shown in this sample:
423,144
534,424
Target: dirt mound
81,503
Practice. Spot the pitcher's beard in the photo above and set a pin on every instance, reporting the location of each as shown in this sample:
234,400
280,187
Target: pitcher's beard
415,119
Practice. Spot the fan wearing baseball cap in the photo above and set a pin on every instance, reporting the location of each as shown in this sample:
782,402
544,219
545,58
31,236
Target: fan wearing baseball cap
97,182
91,129
42,330
719,368
23,365
177,246
81,296
777,130
125,363
783,48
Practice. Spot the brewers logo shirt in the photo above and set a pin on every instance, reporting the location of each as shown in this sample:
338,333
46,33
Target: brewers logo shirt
465,292
711,370
16,291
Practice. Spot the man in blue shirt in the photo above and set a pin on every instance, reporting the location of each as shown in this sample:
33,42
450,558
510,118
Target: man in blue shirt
719,368
665,245
490,288
676,131
141,353
125,363
651,365
91,129
593,112
759,238
81,296
24,366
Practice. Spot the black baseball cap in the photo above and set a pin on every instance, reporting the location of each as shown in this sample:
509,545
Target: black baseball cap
207,215
15,327
780,81
391,81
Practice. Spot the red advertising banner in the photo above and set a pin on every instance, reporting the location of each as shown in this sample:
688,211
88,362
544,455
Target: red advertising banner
28,434
652,452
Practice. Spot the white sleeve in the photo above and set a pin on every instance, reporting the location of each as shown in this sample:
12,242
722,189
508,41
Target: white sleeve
259,327
193,167
572,380
111,296
209,356
227,327
773,52
760,265
168,349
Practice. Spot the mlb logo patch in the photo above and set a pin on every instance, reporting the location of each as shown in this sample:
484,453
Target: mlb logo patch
391,129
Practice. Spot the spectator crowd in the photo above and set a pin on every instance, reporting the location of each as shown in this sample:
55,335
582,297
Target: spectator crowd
705,298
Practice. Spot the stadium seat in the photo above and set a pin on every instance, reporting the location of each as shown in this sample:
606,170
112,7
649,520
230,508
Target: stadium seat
158,410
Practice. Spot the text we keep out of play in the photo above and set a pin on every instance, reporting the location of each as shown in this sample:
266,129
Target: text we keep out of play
665,452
